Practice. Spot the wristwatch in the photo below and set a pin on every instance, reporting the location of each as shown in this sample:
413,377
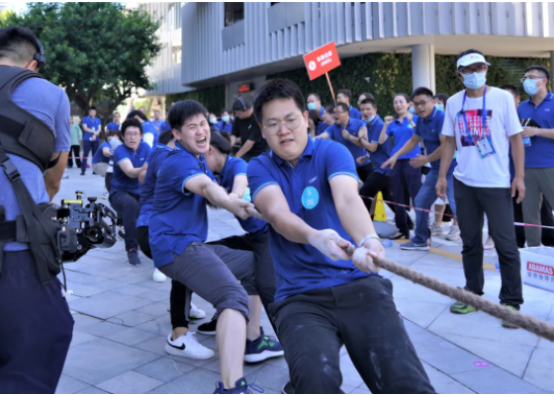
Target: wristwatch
369,237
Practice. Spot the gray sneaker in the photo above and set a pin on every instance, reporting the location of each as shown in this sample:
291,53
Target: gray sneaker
436,230
454,233
410,245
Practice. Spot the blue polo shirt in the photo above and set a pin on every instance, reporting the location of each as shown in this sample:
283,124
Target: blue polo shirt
300,268
164,126
120,180
157,124
113,126
402,132
383,151
355,113
541,152
154,161
430,130
224,127
93,124
354,125
178,217
321,128
321,111
147,127
99,157
234,167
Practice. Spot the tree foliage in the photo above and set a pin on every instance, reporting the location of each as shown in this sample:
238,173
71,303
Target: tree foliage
96,51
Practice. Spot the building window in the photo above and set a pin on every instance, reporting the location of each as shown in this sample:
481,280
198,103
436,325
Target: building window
174,16
176,55
234,12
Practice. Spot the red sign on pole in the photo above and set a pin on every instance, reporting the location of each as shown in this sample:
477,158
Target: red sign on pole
322,60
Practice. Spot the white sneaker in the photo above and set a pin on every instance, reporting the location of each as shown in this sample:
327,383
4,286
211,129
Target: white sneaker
436,230
196,313
454,233
105,195
188,347
158,277
489,245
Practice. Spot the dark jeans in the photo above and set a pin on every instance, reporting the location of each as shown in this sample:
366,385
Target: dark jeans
547,219
375,183
471,205
404,173
35,328
361,315
263,264
178,294
74,154
126,204
87,147
364,171
108,181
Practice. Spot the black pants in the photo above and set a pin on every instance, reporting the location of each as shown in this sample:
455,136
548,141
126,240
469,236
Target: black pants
361,315
35,328
375,183
177,296
126,204
547,219
74,154
263,264
364,171
471,205
108,181
404,174
88,146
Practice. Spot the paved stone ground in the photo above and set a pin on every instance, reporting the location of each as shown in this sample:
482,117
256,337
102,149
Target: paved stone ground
121,322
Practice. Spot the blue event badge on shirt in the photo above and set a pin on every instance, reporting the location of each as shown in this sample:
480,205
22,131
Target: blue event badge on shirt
310,198
484,145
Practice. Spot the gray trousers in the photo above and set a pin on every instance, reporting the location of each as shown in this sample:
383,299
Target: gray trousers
538,182
212,271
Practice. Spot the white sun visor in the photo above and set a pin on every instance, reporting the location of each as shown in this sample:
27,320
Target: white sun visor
471,58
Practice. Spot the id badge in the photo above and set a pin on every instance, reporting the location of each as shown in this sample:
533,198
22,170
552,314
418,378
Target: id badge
485,147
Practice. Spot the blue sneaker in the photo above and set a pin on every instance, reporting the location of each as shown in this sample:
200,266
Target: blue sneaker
265,347
241,387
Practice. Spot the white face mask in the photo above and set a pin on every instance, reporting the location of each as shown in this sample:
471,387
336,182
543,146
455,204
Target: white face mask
475,80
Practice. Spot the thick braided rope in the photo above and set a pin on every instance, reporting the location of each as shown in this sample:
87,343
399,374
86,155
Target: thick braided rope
515,317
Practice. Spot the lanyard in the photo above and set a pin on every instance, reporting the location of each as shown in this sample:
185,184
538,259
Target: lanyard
483,112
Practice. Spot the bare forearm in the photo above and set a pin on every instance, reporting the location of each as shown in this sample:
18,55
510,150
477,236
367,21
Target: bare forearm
290,226
410,145
53,176
245,148
547,133
518,155
216,195
383,136
354,217
436,155
447,154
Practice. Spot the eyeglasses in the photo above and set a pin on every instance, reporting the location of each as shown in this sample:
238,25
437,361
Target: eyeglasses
421,103
471,70
273,127
532,77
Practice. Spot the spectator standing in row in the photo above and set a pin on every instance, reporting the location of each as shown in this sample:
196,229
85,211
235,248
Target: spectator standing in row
76,139
537,116
115,124
157,121
246,130
314,103
92,127
345,96
225,125
149,133
481,121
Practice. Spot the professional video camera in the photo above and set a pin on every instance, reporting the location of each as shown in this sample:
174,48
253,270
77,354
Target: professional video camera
83,227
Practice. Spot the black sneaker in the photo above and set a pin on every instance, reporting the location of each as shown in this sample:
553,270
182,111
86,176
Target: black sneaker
132,256
208,328
241,387
399,235
82,173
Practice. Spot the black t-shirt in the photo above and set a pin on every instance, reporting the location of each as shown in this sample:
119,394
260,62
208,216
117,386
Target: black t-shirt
248,129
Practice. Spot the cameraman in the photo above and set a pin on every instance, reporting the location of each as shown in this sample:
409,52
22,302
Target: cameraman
36,325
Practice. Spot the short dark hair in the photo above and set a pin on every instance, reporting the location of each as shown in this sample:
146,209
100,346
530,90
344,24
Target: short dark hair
316,95
330,109
221,142
183,110
345,92
242,104
92,108
18,44
539,67
422,91
343,106
443,97
112,133
278,89
367,95
165,137
510,88
369,101
405,96
130,122
137,113
468,52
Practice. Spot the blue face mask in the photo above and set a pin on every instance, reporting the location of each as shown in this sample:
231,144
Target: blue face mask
530,86
439,107
213,121
371,118
475,80
411,110
225,118
312,106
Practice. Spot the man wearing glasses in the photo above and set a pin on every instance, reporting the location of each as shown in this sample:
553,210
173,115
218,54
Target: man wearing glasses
481,121
537,116
428,129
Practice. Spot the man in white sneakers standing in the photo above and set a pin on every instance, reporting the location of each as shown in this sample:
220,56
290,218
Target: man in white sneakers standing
482,123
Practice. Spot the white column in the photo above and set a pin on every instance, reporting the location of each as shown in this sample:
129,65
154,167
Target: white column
423,66
552,69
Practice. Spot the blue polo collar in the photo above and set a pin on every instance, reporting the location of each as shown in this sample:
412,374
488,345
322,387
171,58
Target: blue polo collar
549,96
430,116
308,151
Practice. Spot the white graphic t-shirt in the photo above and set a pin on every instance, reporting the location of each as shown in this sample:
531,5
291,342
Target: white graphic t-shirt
500,123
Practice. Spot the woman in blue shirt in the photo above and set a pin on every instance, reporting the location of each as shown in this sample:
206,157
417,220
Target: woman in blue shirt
401,130
230,173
